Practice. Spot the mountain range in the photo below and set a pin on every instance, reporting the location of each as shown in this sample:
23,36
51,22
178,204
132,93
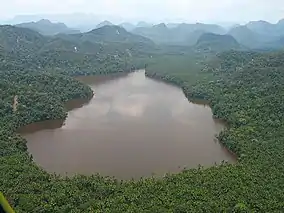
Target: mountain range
182,34
257,35
46,27
254,35
105,34
126,25
113,40
217,43
260,34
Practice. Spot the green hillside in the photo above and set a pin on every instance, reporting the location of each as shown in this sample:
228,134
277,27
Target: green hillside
20,40
215,42
179,34
113,34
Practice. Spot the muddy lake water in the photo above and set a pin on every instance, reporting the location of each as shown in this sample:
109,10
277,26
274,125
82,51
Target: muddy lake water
133,127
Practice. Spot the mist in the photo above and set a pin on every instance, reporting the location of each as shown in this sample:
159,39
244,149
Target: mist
82,12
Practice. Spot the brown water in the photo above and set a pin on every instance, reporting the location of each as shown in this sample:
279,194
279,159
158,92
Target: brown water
133,127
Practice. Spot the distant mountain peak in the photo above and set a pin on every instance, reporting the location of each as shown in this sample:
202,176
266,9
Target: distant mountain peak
113,33
46,27
259,21
242,27
105,23
245,36
216,42
109,28
181,34
161,25
143,24
281,22
256,25
44,21
128,26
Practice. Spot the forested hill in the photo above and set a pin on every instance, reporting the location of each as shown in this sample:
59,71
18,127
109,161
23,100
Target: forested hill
259,34
20,40
95,51
246,36
109,33
179,34
215,42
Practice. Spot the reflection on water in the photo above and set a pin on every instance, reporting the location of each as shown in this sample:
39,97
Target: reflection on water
133,127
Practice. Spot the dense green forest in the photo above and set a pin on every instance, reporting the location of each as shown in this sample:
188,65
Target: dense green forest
246,90
243,88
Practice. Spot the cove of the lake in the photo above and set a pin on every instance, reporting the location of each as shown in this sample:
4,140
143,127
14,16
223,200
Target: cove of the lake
133,127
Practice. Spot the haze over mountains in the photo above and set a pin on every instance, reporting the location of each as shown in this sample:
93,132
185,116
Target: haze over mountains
46,27
253,35
107,33
96,48
215,42
259,34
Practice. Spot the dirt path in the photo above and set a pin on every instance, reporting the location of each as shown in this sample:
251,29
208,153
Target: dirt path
15,104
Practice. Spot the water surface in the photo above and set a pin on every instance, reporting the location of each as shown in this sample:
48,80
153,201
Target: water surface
133,127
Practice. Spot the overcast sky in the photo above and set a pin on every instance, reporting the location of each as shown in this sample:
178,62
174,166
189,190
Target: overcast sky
154,10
